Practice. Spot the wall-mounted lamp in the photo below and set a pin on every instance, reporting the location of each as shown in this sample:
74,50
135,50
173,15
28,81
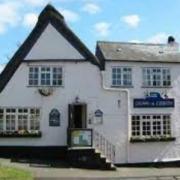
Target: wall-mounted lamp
76,99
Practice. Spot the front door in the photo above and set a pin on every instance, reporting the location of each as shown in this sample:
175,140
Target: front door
77,116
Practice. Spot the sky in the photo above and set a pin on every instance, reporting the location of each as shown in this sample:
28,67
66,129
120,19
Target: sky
150,21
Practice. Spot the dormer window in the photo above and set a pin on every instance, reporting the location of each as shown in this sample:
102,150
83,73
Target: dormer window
45,76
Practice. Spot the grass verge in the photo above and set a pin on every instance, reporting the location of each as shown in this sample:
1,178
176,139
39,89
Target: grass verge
14,174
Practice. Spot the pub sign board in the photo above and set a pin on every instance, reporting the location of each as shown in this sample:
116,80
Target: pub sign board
154,100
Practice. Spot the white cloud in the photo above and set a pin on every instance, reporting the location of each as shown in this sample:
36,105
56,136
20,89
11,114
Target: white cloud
102,28
2,66
132,20
158,38
36,2
69,15
9,15
91,8
135,41
30,19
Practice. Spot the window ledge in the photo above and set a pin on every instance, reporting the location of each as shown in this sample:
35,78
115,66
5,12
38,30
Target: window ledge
153,139
20,135
156,86
112,86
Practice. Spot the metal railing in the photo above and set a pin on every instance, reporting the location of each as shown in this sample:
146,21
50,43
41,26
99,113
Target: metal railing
104,146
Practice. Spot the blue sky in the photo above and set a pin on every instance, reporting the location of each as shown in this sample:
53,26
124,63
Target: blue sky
92,20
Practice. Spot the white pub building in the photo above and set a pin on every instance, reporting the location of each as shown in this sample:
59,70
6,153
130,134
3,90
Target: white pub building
58,100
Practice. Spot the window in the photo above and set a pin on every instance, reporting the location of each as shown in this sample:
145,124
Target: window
121,76
10,119
1,119
57,76
33,76
166,77
166,125
17,119
45,76
156,77
146,126
34,119
135,126
156,126
22,119
151,125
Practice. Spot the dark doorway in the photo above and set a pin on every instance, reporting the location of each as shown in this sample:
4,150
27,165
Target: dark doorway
77,116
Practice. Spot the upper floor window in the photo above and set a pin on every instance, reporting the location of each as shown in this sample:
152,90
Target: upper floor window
33,76
156,77
45,76
121,76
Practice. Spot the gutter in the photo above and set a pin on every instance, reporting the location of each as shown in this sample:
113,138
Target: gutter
128,106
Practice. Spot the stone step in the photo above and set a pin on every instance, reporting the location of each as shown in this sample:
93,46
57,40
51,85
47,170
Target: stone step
89,158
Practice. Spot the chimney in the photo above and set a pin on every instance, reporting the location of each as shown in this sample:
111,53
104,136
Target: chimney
172,45
171,40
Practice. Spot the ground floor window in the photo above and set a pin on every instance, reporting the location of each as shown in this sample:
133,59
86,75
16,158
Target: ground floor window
151,125
19,119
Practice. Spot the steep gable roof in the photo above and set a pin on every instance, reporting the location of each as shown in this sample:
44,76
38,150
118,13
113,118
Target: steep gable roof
48,15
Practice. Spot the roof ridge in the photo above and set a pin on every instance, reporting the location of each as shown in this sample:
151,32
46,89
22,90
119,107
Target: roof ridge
132,43
50,11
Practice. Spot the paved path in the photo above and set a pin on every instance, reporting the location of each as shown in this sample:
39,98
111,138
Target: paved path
44,171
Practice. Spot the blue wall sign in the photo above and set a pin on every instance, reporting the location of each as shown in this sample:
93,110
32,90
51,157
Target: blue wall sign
98,113
154,100
54,118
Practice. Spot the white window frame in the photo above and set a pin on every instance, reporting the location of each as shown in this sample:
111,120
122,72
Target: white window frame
22,119
33,73
156,72
15,119
51,76
17,114
122,76
2,119
151,119
35,123
45,71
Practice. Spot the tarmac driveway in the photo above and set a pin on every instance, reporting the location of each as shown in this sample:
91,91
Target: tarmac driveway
44,171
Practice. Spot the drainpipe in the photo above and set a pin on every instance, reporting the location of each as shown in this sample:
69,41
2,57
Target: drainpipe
128,105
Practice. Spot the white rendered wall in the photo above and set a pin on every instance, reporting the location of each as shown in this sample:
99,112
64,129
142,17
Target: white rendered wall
52,45
153,151
82,80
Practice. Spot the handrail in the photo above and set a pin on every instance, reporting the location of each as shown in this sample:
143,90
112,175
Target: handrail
104,146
